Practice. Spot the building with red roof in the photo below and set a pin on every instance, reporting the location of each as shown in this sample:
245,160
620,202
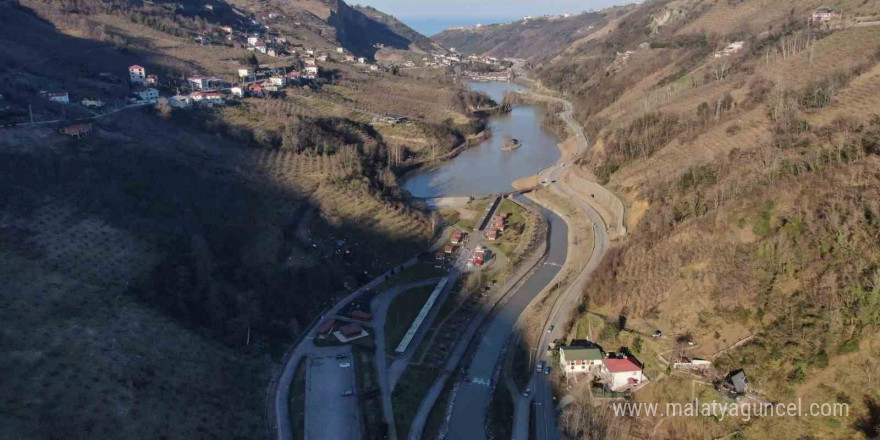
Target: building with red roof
326,326
351,330
620,374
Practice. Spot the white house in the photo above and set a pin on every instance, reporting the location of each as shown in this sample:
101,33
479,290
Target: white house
253,40
620,374
374,67
340,50
148,95
311,70
137,74
237,91
92,103
198,82
322,57
278,80
580,359
180,101
362,60
260,47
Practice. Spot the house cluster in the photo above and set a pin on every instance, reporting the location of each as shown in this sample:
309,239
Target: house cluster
272,46
730,49
496,226
442,59
616,371
448,253
261,82
143,86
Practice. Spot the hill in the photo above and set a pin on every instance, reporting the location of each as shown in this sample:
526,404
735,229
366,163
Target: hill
532,38
743,137
157,267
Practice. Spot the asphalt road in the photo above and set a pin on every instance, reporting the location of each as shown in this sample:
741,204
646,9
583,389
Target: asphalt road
379,306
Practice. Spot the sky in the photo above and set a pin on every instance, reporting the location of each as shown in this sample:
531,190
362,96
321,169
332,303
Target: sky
432,16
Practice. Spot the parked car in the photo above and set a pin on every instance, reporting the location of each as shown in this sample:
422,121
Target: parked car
527,392
551,328
341,356
347,393
540,367
546,370
344,364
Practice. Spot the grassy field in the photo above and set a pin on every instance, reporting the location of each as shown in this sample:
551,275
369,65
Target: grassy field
516,227
408,394
401,313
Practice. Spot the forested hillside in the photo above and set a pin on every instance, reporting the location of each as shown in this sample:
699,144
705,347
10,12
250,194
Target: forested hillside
744,138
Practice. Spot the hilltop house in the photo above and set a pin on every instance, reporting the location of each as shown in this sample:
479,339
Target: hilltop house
620,374
362,60
823,14
137,74
735,384
278,80
311,71
237,91
340,49
575,359
253,40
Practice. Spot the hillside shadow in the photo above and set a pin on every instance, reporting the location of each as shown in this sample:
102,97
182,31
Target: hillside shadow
869,424
361,34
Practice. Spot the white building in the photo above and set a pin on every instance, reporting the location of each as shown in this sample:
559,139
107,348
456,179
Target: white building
278,80
253,40
580,359
620,374
207,98
362,60
340,50
311,70
62,98
137,74
243,73
148,95
237,91
92,103
180,101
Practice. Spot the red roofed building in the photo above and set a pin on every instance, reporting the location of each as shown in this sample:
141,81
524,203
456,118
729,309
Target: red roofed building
621,373
449,249
351,330
492,235
456,237
326,326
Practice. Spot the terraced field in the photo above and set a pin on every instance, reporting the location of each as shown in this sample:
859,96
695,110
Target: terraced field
858,100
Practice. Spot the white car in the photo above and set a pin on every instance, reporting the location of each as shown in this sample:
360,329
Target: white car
344,364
